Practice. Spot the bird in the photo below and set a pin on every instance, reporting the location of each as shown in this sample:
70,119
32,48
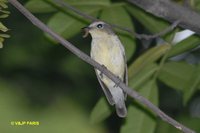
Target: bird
107,50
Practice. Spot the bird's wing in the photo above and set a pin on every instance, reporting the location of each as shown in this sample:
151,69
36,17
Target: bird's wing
105,90
125,76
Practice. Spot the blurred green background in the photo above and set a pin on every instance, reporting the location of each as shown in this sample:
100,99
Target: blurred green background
42,81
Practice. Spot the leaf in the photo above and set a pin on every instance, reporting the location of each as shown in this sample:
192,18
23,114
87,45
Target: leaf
3,4
148,57
3,28
139,119
190,122
4,11
88,2
67,25
1,42
143,76
185,45
100,112
64,25
4,35
116,14
177,74
192,86
45,6
39,6
164,127
4,16
195,5
129,45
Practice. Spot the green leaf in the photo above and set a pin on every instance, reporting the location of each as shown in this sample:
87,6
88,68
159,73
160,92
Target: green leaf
64,25
195,4
39,6
129,45
178,75
190,122
139,119
45,6
4,35
4,16
152,23
116,14
192,86
145,74
148,57
68,25
185,45
88,2
164,127
1,42
3,4
4,11
100,112
3,28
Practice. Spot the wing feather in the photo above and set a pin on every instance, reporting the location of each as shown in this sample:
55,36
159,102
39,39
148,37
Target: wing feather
105,90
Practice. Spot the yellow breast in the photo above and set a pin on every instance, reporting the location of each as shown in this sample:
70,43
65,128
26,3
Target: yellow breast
109,53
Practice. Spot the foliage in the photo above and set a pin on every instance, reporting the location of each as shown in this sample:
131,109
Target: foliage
155,70
3,28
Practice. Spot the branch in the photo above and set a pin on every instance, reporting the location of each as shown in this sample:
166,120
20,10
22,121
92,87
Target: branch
171,12
131,92
133,33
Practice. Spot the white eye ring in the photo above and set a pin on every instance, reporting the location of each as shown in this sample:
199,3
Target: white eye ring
100,26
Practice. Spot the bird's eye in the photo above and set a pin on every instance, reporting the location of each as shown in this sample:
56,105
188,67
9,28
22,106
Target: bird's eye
100,26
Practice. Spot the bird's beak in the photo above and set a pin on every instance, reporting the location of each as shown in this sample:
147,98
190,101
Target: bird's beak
86,30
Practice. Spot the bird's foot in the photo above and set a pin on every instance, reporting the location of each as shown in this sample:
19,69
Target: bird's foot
118,82
101,72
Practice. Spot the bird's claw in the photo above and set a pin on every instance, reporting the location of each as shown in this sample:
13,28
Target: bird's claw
101,72
117,84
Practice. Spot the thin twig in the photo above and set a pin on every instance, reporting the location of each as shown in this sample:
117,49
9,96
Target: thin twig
131,92
133,33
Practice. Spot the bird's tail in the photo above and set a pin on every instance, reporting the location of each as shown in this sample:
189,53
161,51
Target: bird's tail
121,109
118,97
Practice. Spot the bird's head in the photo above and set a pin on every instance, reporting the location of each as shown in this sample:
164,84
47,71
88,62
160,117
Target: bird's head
98,29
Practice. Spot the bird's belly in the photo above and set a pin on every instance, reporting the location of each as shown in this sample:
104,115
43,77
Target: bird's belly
111,57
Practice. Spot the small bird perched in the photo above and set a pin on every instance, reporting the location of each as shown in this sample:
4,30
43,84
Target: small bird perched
107,50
